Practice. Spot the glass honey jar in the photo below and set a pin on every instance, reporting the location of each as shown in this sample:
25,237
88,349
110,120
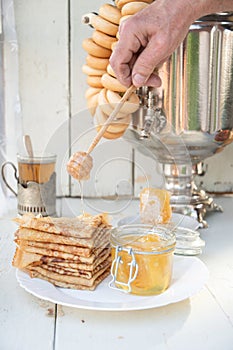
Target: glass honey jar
142,258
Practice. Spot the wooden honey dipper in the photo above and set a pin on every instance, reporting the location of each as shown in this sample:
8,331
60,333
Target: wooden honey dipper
81,163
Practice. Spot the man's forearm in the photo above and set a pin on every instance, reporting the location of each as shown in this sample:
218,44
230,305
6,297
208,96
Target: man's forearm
205,7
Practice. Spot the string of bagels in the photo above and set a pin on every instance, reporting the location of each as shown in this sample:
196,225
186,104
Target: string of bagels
105,91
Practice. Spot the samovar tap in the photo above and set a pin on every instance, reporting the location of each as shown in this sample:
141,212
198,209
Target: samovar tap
154,120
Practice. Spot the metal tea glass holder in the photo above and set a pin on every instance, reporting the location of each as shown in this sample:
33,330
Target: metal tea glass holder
38,198
32,197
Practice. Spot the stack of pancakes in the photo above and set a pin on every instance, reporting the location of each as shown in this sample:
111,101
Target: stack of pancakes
68,252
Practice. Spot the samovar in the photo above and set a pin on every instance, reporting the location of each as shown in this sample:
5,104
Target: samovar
190,117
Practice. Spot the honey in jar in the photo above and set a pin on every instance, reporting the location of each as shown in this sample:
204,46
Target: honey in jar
142,258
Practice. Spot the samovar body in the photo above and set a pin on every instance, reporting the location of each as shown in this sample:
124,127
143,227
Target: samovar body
189,118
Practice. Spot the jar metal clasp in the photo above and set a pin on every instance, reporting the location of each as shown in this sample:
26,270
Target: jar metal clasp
133,269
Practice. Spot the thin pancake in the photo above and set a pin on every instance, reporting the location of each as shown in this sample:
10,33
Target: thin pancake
74,250
62,255
78,266
82,226
77,272
63,284
34,270
40,236
22,259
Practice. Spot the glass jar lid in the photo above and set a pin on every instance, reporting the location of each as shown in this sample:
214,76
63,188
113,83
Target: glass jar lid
144,239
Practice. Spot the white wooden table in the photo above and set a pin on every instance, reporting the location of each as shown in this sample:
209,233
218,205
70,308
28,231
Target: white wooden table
203,322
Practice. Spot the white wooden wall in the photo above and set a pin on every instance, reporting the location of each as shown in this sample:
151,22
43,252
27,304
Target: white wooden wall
54,113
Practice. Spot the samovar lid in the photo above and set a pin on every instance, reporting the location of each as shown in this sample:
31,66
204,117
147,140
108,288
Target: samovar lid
221,17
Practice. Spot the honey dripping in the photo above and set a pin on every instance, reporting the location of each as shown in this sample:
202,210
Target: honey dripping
81,197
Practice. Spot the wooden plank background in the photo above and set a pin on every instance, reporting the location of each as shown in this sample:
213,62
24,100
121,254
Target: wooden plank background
52,87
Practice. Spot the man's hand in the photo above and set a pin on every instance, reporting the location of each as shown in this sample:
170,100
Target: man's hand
150,36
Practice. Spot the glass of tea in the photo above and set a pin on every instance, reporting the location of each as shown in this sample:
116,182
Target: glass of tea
36,183
37,169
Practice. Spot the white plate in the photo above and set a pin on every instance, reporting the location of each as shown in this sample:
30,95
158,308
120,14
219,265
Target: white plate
189,276
178,219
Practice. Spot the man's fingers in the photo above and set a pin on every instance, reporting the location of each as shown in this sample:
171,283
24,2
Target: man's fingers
123,74
145,64
154,80
124,55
